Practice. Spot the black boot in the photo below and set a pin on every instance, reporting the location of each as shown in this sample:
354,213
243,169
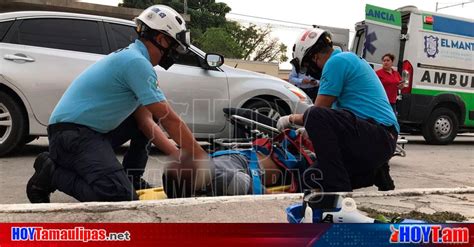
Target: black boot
40,186
140,184
383,180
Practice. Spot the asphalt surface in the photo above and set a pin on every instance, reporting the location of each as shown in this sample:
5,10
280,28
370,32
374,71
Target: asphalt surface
425,166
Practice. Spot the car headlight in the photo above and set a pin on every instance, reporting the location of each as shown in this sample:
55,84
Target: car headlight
300,94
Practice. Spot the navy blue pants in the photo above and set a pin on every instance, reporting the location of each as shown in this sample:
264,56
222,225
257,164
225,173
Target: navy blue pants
87,167
348,149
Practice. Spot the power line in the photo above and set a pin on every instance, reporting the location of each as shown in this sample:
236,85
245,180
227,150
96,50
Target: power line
453,5
297,26
273,25
270,19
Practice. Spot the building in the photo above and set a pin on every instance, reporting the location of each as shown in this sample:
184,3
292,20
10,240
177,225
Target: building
72,6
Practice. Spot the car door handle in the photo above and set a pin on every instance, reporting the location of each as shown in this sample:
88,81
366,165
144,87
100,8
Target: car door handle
18,56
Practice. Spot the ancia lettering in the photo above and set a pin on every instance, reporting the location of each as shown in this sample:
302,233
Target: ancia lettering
381,15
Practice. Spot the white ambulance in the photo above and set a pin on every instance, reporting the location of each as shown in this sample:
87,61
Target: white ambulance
435,55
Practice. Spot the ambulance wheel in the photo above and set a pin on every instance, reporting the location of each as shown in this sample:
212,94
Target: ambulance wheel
441,127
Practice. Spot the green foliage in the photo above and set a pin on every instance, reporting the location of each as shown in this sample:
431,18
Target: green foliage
218,40
213,33
257,43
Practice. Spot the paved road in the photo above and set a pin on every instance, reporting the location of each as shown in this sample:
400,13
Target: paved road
424,167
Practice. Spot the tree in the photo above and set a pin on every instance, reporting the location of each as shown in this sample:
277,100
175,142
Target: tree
211,31
218,40
257,43
204,14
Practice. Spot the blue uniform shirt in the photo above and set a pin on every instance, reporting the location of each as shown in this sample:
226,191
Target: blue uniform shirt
357,88
107,92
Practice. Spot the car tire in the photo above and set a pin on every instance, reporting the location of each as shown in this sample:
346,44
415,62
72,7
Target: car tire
267,108
441,127
262,106
12,124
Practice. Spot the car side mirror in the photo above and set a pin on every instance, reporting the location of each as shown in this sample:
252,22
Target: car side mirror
214,60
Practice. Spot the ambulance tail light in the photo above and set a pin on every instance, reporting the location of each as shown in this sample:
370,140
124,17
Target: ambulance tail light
407,77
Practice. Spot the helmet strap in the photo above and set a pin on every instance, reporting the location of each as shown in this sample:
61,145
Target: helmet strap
168,57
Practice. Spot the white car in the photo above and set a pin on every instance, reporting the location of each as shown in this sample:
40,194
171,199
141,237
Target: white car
42,52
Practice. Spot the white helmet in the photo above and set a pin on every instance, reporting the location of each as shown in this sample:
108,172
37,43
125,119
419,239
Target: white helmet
165,20
306,41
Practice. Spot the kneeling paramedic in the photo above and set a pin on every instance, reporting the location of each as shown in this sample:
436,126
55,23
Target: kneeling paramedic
96,115
352,126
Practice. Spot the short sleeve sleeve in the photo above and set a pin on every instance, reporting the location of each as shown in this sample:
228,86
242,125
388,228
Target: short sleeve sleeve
141,78
332,79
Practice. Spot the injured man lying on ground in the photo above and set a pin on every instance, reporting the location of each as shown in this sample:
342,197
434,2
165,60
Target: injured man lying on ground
264,169
231,174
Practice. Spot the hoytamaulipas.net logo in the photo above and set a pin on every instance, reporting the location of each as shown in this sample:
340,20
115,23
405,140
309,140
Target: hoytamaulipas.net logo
74,234
433,234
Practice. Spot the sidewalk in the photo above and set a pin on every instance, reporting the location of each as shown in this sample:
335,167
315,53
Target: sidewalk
245,209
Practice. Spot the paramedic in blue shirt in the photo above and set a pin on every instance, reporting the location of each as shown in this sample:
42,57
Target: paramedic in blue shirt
114,101
352,125
308,84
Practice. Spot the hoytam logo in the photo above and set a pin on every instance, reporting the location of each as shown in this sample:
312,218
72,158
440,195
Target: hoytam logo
435,234
431,46
76,234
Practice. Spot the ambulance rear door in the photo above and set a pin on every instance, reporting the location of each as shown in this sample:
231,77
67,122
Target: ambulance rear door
377,35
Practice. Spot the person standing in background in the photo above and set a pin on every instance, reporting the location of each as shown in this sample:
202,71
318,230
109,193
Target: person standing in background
305,82
391,79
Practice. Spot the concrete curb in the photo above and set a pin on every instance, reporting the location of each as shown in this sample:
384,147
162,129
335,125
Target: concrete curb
97,207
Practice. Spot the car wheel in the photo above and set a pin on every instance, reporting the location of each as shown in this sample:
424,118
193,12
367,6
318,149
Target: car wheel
12,124
267,108
264,107
441,127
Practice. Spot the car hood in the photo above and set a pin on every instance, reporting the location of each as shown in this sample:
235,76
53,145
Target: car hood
234,72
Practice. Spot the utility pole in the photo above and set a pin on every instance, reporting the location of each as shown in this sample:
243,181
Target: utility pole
185,7
453,5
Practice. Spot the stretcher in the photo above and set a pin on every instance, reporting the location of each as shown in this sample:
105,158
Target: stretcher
257,125
253,125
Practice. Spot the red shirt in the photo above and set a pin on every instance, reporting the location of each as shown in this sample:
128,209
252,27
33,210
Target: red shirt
390,82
